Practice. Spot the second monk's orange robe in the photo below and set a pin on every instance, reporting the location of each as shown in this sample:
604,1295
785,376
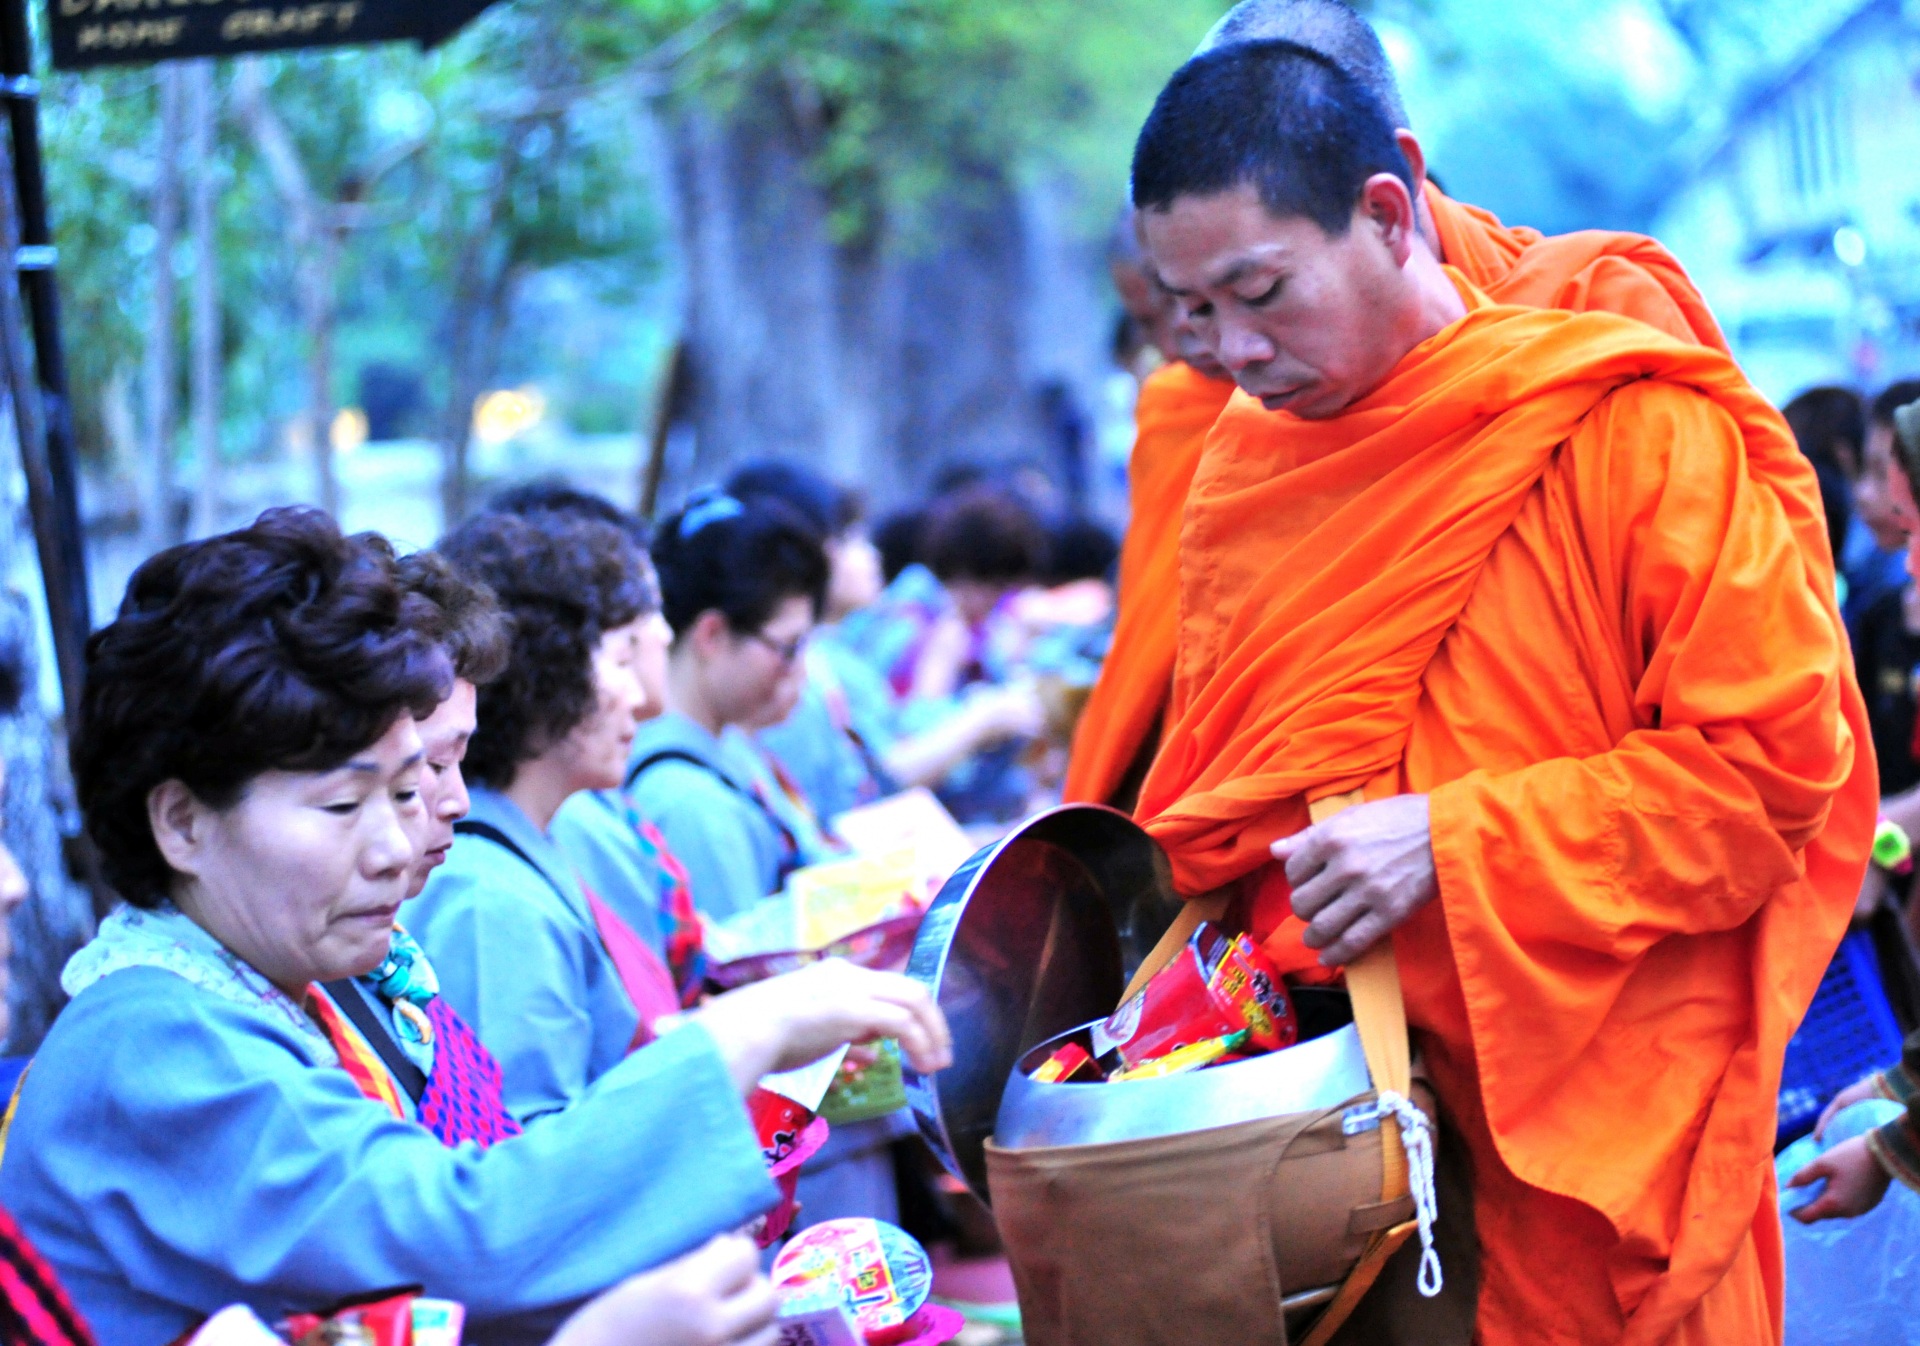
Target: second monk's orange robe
1569,579
1589,271
1177,407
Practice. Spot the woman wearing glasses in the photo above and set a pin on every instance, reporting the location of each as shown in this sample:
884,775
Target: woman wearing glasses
741,584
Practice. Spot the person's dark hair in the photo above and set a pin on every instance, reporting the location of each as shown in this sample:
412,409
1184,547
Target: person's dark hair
464,619
986,534
280,646
550,495
1891,398
829,508
1274,116
1080,548
740,558
1829,424
897,539
563,580
1334,30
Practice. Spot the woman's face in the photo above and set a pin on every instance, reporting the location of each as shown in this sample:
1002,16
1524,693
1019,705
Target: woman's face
303,876
594,752
855,580
655,643
444,736
754,678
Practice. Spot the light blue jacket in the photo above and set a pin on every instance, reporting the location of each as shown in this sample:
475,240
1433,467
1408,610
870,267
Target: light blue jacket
519,958
175,1152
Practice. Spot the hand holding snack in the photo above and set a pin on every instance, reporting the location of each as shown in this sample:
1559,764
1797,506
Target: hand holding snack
787,1021
713,1297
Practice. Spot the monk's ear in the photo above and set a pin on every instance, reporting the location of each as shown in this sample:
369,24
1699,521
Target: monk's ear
1416,157
1387,206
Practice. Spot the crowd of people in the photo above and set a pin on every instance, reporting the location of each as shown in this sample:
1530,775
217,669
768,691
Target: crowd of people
1474,608
409,986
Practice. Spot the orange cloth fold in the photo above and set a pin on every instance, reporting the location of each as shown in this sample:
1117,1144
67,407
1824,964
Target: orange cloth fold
1589,271
1177,407
1592,271
1568,578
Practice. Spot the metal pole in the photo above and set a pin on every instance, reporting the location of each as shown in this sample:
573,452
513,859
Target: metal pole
53,492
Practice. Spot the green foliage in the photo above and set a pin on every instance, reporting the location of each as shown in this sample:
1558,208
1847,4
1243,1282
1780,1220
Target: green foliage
901,102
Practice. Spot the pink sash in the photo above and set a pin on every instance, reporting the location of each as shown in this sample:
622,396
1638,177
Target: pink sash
642,973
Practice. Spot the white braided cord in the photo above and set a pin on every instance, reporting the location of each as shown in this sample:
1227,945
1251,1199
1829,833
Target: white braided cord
1416,1138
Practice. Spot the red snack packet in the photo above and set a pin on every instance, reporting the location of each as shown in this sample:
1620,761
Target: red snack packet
1071,1064
789,1136
1218,985
378,1322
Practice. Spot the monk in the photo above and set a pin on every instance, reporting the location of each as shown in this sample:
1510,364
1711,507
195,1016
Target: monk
1120,726
1592,270
1554,591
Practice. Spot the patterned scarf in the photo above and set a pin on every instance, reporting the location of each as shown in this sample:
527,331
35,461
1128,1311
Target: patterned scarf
679,921
34,1310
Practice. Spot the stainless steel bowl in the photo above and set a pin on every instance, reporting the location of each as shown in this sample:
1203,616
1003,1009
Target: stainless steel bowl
1321,1072
1022,944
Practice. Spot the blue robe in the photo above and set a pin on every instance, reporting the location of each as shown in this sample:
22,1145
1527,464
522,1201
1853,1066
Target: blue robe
594,831
175,1152
734,852
520,960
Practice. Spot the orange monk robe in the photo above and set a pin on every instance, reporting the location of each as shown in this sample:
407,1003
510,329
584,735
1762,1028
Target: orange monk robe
1592,271
1569,579
1177,407
1589,271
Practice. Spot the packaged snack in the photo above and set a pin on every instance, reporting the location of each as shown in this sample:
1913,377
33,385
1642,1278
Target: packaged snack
235,1325
1182,1059
1071,1064
870,1084
1218,985
881,1275
438,1322
386,1321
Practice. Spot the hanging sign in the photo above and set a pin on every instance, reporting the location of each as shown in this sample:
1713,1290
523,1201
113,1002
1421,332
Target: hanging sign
139,32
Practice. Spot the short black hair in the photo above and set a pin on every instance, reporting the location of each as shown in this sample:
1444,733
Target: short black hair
897,539
550,495
829,507
563,581
462,616
1333,29
280,646
987,534
1080,548
1274,116
1892,398
1824,419
740,558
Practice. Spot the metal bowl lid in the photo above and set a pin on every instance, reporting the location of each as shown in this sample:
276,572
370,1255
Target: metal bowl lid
1023,943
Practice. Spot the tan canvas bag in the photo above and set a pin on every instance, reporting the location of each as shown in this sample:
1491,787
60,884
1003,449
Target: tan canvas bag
1265,1231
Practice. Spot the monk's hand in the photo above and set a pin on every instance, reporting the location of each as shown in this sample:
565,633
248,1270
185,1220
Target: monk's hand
1358,876
1855,1182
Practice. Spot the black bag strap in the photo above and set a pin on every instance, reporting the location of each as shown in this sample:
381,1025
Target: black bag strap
352,1001
473,827
654,759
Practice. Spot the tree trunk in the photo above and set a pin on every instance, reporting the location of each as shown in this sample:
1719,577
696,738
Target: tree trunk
162,367
203,225
978,335
319,272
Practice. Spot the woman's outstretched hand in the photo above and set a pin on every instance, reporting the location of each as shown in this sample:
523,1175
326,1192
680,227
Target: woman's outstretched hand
788,1021
715,1296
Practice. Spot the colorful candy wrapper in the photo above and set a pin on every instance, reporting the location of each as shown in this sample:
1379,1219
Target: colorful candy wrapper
236,1325
438,1322
1071,1064
1219,984
879,1273
1182,1059
387,1321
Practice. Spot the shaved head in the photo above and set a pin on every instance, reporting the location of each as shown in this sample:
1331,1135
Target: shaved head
1325,26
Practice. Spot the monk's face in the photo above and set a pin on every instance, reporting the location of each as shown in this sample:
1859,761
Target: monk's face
1162,320
1304,320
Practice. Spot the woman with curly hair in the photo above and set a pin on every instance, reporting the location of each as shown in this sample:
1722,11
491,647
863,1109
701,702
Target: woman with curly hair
206,1124
551,978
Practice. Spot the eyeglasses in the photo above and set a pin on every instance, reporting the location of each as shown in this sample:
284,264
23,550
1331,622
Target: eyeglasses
787,651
